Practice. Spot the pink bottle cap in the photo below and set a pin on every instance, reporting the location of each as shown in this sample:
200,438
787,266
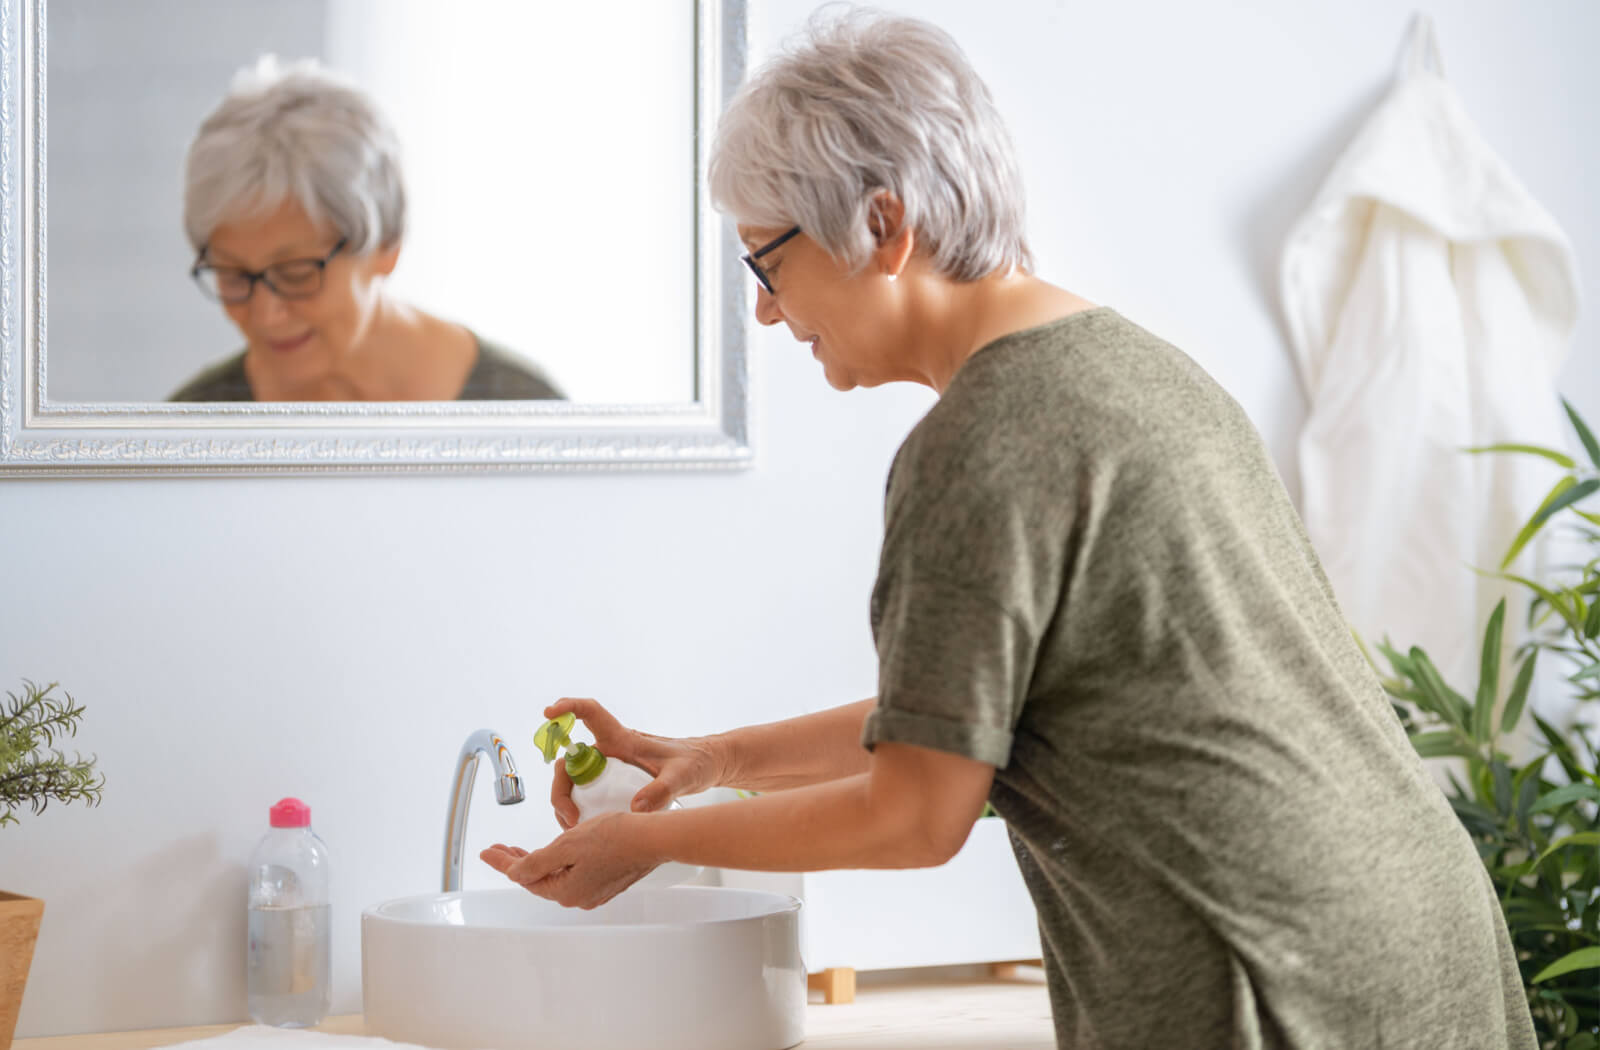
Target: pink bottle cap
291,813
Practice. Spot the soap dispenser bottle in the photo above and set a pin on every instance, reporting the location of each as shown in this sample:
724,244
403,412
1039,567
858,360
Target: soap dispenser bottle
603,785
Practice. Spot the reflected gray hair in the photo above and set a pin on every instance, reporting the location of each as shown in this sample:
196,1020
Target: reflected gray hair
297,132
868,102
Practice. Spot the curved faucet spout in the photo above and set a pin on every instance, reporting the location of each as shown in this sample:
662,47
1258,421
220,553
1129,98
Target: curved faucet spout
507,791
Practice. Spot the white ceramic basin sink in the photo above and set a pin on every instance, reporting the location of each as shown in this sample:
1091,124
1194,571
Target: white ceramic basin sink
672,968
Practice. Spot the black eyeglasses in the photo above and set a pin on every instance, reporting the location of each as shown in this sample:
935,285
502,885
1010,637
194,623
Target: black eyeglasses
290,279
749,258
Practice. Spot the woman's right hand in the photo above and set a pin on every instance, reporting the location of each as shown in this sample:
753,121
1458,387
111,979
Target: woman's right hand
679,766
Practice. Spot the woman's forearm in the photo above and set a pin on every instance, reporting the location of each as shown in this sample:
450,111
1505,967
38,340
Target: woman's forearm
839,824
810,749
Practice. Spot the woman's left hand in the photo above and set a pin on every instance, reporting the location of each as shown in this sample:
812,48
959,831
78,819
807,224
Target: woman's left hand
580,868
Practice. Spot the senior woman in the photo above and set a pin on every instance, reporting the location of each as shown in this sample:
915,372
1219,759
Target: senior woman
1095,608
295,207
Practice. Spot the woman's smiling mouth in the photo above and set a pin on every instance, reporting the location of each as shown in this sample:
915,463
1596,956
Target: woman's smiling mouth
283,346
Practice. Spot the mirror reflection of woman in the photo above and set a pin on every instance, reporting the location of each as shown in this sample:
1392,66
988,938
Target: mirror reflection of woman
296,209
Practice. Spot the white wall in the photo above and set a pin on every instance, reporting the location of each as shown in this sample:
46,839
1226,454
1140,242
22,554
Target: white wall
238,640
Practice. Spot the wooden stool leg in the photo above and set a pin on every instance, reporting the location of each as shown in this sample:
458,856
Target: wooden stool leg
837,983
1005,970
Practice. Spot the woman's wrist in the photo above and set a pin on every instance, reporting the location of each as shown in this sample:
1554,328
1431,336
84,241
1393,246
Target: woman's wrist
641,840
720,766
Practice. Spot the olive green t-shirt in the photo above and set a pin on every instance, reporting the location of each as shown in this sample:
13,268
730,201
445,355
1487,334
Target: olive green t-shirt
497,375
1092,579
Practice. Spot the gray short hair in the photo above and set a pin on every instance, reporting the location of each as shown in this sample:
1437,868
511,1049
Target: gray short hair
297,132
868,102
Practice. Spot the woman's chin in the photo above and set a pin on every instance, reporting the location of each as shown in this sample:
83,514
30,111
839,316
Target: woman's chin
289,372
838,381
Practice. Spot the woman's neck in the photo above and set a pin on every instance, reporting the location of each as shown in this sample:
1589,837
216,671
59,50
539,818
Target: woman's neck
402,354
959,318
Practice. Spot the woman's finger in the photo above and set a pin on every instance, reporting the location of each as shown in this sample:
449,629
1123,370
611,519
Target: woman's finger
653,796
561,797
613,738
535,866
590,711
517,850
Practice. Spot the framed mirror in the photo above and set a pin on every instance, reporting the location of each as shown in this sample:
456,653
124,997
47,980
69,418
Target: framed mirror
553,159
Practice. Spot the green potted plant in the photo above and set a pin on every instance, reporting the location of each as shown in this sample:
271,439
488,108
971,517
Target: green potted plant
33,773
1536,824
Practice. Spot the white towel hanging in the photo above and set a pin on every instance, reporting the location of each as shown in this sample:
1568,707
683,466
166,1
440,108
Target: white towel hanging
1430,302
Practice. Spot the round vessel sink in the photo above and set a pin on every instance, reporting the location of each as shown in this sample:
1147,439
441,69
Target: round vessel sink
670,968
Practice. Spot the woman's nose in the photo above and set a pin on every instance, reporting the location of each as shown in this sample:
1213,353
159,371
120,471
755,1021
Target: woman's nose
265,304
767,311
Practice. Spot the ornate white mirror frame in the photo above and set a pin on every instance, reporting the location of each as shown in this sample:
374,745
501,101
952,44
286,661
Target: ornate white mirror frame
42,437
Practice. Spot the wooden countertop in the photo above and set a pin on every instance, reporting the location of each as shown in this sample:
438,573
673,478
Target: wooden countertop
1010,1013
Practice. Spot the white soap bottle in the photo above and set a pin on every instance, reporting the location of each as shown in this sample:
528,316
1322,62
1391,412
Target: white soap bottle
604,785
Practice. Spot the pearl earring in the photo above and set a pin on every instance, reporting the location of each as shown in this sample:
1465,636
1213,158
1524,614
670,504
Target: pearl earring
894,276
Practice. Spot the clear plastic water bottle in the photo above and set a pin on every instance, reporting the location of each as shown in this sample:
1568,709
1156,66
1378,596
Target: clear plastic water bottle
288,974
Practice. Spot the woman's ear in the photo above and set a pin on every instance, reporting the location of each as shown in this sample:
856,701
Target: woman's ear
385,259
894,242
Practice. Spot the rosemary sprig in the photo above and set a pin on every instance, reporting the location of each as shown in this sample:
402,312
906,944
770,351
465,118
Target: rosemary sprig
33,772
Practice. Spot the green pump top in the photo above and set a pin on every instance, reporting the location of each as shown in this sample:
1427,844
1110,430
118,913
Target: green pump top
584,761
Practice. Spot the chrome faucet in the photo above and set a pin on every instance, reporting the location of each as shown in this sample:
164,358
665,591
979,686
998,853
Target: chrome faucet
507,791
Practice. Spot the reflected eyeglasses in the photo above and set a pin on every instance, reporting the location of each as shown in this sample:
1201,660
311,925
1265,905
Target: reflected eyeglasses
749,258
290,279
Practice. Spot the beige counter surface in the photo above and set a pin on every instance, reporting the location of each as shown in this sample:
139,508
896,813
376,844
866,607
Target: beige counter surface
988,1014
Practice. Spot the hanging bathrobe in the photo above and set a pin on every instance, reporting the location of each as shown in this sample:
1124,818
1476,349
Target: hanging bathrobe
1430,302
